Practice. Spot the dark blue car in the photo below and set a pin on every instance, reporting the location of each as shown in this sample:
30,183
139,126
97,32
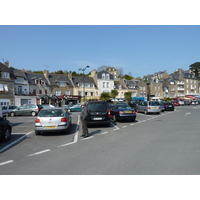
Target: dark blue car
122,112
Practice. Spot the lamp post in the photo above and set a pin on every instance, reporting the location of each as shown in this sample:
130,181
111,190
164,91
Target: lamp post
83,70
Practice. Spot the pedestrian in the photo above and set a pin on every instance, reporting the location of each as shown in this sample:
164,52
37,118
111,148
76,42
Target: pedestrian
83,117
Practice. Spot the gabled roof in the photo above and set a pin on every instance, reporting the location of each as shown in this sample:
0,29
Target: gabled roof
55,78
79,79
19,73
99,74
32,76
3,68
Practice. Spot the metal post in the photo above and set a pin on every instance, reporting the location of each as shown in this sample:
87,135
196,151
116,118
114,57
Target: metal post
83,70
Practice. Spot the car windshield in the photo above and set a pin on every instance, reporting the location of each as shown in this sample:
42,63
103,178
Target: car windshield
51,113
153,103
97,107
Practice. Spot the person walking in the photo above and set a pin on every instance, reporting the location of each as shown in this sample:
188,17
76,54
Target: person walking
83,117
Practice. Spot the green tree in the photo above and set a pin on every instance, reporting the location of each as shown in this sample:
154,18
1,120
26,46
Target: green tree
166,99
127,77
127,96
114,93
105,96
195,67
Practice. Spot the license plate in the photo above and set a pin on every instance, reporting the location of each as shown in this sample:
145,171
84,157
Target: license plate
48,127
155,108
128,111
170,106
97,118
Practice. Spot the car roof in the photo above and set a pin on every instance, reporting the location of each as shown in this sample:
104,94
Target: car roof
53,108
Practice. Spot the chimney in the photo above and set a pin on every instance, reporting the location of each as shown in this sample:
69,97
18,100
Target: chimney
6,64
46,75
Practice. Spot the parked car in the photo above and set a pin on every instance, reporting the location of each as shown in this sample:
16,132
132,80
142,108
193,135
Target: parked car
52,120
169,106
98,113
26,109
74,108
47,106
162,107
149,107
194,102
7,109
187,103
122,112
5,128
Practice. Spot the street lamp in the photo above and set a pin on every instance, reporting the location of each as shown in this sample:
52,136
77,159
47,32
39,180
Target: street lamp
83,70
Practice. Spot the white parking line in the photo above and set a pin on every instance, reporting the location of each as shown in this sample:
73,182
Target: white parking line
104,132
87,138
16,141
7,162
40,152
124,126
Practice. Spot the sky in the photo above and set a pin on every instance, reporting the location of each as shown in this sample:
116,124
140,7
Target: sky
137,49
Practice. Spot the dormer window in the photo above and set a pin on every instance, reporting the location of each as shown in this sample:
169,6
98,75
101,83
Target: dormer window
5,75
103,76
107,76
62,84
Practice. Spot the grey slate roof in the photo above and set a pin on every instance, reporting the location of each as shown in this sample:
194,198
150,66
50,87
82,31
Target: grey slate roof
79,79
31,78
99,74
55,78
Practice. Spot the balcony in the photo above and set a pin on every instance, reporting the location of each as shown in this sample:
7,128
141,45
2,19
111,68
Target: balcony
180,83
180,89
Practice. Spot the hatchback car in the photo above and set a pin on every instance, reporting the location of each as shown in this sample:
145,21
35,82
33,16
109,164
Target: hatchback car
169,106
52,120
122,112
98,113
7,109
26,109
74,108
149,107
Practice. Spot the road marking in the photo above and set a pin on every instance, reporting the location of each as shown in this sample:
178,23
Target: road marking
104,132
87,138
7,162
16,141
131,124
40,152
124,126
188,114
116,128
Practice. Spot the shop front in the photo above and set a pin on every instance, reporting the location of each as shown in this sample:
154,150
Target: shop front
69,99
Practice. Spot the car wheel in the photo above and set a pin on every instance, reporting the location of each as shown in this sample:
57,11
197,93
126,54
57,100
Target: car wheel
33,113
108,124
12,114
7,134
145,112
37,133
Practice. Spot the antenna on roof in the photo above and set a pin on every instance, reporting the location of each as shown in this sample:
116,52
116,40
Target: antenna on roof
3,60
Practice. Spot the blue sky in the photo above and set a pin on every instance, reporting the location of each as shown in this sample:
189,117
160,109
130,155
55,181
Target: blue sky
140,50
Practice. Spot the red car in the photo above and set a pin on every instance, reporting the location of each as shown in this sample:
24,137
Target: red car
176,103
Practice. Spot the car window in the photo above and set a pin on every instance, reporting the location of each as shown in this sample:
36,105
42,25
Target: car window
51,113
153,103
124,107
4,108
97,107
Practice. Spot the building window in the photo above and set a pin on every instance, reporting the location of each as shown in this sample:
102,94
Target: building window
103,84
67,92
62,84
57,92
103,76
1,87
107,76
5,75
40,91
107,84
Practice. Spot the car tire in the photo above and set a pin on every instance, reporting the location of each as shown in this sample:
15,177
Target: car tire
7,134
145,112
108,124
12,114
33,113
37,133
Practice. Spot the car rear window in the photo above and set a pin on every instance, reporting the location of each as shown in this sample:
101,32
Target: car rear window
97,107
51,113
123,107
154,103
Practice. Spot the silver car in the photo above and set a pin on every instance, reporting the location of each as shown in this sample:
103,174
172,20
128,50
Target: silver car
52,120
148,107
